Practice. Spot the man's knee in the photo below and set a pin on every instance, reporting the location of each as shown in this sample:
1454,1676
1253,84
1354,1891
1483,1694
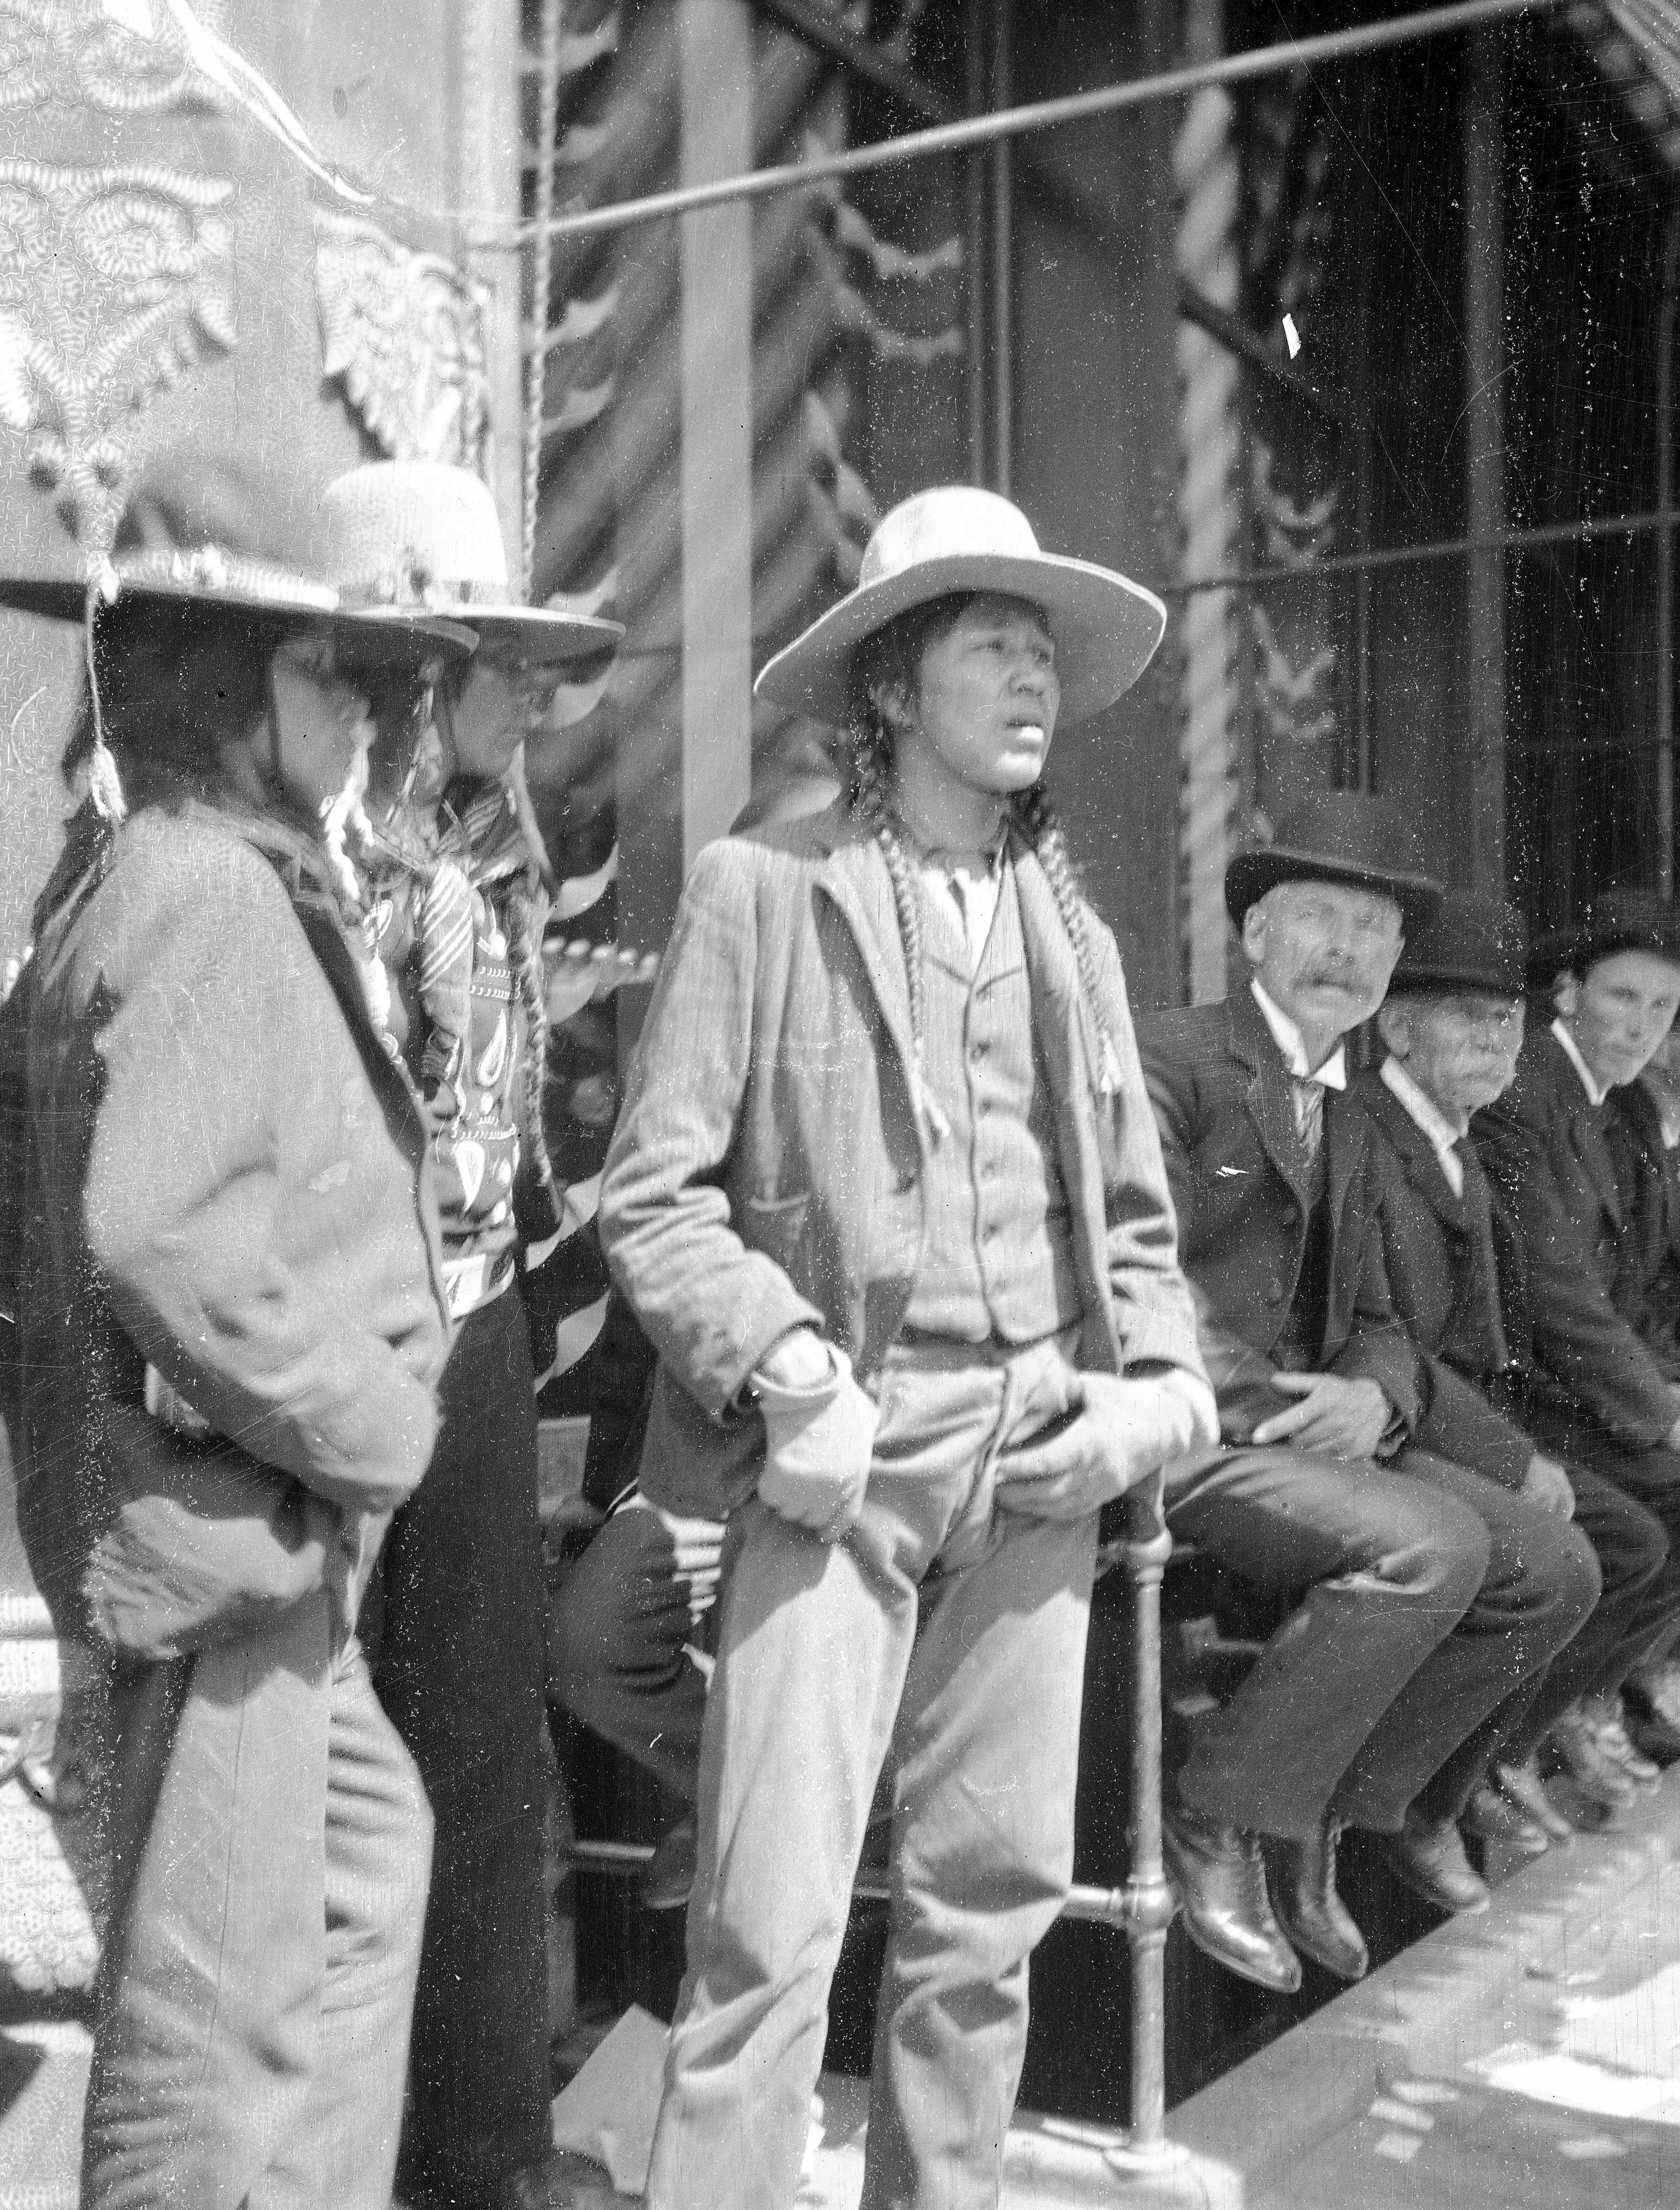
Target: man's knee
1433,1547
1543,1570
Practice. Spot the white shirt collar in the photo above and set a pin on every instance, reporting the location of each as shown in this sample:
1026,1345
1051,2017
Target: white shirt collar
1597,1091
1429,1116
1332,1075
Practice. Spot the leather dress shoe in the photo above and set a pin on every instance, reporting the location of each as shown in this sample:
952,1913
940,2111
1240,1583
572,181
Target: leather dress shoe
1658,1688
1314,1917
1651,1731
1491,1816
1574,1746
1604,1716
1428,1856
1523,1784
669,1879
1220,1879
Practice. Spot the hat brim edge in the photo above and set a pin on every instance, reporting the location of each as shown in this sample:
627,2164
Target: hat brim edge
1087,607
409,638
1251,874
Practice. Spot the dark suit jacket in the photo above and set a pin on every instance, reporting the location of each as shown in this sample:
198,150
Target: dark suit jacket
1438,1266
1241,1192
1543,1147
1646,1172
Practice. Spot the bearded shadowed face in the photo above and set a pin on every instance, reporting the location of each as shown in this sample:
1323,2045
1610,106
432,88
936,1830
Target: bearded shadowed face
1459,1047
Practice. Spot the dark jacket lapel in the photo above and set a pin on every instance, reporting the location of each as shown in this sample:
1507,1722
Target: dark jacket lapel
1586,1136
1417,1156
1270,1098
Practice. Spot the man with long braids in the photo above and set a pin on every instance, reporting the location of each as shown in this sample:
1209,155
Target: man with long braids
461,876
887,1198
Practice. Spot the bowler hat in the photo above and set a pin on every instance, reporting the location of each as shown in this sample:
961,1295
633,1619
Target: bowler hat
1617,919
212,539
405,537
1475,943
1339,837
957,538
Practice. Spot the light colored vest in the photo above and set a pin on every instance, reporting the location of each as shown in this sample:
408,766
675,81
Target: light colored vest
997,1264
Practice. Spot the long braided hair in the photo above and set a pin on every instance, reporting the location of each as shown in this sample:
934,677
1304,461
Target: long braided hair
892,658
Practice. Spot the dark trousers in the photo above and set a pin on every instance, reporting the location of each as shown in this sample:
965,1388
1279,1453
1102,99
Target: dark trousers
1430,1595
1638,1611
1651,1478
619,1642
460,1673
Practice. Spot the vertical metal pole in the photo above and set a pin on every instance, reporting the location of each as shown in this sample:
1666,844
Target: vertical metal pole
715,48
974,241
1002,287
1664,731
1484,452
1148,1900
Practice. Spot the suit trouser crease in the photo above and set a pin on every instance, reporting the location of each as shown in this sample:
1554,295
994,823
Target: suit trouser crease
820,1670
1415,1625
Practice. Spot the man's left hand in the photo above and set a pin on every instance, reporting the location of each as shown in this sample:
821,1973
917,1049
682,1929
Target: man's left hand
1119,1434
1334,1418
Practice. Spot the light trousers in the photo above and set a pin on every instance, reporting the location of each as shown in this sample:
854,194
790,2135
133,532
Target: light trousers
254,1999
820,1672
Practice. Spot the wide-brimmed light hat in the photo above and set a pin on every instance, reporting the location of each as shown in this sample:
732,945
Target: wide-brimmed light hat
404,537
210,540
956,538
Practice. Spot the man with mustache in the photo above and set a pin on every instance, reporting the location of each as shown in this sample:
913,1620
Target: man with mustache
1562,1146
1453,1024
1429,1592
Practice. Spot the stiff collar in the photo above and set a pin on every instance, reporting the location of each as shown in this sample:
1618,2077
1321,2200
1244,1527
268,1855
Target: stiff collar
1332,1075
1443,1137
1597,1091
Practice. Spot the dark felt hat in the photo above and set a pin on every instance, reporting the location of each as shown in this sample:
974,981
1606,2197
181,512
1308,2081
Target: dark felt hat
1617,919
1339,837
1475,942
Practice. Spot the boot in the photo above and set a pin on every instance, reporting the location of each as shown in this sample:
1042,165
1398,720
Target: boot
1491,1816
1523,1784
1651,1731
1219,1880
1574,1746
1428,1855
1316,1920
1604,1715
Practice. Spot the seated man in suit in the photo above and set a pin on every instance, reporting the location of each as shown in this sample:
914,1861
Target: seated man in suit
1453,1026
1558,1144
1429,1592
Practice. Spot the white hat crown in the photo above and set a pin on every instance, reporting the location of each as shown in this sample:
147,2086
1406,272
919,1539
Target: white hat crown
952,521
419,534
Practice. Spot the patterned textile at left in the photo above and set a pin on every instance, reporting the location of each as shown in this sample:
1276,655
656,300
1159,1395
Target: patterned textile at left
112,281
404,332
53,1873
119,59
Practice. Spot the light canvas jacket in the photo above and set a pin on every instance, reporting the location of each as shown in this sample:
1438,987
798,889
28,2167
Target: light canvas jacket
769,1169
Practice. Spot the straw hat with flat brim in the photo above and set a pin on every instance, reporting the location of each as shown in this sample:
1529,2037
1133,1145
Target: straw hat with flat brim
956,539
402,537
1339,837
